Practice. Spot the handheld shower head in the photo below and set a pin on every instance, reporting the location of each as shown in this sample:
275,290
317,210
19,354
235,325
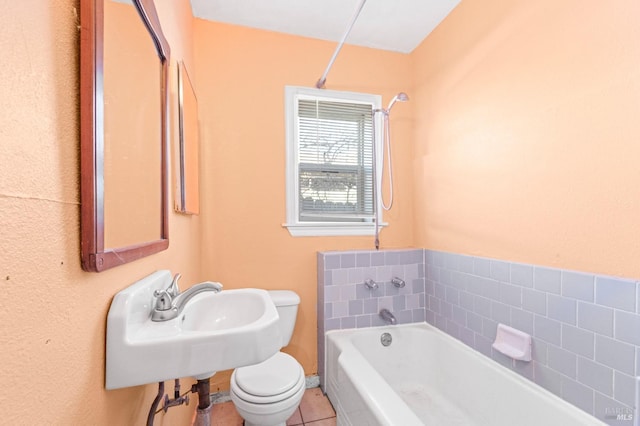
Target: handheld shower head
402,97
386,140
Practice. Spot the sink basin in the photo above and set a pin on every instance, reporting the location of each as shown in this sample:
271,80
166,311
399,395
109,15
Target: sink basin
224,311
214,331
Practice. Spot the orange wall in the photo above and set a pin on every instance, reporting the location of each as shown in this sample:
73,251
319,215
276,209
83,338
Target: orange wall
526,137
52,314
240,78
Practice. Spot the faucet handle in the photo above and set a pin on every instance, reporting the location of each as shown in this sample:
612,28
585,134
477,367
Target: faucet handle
173,290
163,300
398,282
371,284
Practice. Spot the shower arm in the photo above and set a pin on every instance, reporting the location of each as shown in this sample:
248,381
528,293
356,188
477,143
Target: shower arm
320,84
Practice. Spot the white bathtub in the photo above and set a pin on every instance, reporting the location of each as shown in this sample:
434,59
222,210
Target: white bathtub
426,377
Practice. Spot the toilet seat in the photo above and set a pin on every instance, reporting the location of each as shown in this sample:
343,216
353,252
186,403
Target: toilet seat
276,379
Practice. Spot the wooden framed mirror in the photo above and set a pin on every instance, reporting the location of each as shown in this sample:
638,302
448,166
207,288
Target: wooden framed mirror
124,68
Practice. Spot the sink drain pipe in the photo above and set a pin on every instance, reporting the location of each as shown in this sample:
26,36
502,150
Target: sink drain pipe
204,395
203,413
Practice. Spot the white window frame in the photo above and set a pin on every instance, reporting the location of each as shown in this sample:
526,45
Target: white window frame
299,228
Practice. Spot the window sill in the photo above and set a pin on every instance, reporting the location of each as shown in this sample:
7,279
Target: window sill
319,229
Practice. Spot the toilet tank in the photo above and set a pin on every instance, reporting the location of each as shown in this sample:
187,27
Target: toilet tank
286,302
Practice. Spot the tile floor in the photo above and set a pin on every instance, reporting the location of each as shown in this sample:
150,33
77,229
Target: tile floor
315,410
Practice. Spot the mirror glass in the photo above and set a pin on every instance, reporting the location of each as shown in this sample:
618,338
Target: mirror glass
189,144
132,129
124,68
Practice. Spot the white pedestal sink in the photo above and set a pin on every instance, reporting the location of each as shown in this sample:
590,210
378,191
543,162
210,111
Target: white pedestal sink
215,331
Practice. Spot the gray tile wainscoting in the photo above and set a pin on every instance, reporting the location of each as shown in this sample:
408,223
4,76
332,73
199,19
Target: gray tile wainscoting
585,327
345,302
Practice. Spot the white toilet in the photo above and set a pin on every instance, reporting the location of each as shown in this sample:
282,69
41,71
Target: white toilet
267,394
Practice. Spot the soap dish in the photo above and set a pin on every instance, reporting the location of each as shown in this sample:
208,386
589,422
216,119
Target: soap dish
513,343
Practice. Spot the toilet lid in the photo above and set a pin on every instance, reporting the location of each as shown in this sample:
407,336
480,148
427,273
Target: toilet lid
272,377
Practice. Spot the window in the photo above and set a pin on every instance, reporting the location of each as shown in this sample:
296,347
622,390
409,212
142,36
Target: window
330,139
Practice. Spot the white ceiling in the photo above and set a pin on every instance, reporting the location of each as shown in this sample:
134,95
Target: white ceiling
396,25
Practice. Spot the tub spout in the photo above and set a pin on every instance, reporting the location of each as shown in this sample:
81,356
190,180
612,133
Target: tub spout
387,316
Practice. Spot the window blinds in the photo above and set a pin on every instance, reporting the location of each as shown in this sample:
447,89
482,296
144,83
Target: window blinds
335,160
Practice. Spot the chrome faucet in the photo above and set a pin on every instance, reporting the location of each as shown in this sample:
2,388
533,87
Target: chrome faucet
168,305
387,316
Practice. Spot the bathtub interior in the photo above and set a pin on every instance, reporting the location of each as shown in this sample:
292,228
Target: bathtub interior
436,378
426,390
